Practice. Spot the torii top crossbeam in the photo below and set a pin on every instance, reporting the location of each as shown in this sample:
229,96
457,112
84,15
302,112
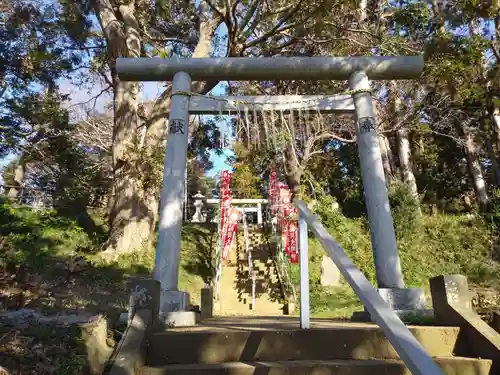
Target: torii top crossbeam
270,68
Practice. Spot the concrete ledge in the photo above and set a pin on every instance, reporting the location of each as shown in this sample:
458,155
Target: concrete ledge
130,354
270,343
465,366
452,306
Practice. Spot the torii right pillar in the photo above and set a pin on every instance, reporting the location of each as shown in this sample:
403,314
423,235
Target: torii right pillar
385,251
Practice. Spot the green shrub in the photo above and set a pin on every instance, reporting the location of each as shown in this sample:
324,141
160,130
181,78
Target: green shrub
428,246
492,214
405,209
36,238
449,244
351,234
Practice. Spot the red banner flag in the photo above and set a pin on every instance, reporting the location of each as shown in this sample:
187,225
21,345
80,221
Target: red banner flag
232,227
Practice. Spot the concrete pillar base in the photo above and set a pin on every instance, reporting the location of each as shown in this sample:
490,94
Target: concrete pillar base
178,319
407,316
144,294
404,298
406,302
173,300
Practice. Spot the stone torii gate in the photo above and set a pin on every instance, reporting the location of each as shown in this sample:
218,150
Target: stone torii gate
256,207
181,71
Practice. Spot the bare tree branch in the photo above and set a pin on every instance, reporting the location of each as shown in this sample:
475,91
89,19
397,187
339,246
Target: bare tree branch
220,12
94,98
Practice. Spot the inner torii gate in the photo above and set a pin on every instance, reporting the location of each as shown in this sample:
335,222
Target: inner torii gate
181,71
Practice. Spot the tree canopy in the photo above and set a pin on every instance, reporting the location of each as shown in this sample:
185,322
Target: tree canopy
439,135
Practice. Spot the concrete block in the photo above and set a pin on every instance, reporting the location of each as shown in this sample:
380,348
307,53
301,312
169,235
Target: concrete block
405,302
330,274
207,302
178,319
448,291
144,294
495,323
130,353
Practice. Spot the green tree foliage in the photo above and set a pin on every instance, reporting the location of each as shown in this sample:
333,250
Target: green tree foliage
449,113
244,183
33,55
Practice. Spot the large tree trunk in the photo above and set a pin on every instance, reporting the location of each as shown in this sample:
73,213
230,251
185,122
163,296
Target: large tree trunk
474,166
495,166
405,160
404,148
490,136
130,218
133,206
387,158
495,119
292,170
19,172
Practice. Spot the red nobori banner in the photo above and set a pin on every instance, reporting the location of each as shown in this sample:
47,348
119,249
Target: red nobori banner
280,199
291,242
225,201
232,228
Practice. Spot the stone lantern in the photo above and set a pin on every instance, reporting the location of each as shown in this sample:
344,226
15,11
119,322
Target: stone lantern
198,216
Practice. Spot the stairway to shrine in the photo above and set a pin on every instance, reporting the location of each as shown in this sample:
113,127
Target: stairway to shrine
277,346
236,280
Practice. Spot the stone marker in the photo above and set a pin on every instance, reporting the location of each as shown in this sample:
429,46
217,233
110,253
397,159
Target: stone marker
453,307
144,295
207,302
330,274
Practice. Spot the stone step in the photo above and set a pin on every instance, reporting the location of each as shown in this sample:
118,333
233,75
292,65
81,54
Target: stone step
343,342
451,366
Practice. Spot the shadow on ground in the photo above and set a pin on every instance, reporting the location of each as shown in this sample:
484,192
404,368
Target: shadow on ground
266,280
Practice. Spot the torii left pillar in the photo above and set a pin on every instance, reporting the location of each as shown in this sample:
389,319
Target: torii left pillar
174,304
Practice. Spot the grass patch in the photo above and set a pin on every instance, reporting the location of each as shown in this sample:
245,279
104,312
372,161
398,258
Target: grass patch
52,258
48,263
